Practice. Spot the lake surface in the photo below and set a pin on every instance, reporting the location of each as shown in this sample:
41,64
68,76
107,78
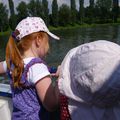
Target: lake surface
71,38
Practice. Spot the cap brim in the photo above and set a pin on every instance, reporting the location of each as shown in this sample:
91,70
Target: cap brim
53,36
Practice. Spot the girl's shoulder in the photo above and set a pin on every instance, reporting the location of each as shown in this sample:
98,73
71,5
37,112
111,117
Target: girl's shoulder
35,65
35,69
32,60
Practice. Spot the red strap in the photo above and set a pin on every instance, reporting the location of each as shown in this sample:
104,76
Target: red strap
65,115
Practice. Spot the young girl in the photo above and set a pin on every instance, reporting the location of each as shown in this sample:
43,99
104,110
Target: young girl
31,85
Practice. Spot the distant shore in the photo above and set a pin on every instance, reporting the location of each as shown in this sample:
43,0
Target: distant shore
68,27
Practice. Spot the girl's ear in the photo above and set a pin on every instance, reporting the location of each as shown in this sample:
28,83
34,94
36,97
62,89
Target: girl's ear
38,42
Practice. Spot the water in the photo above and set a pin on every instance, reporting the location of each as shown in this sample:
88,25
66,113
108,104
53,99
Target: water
71,38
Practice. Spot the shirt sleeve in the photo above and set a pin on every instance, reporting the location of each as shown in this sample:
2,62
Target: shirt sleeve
37,72
5,66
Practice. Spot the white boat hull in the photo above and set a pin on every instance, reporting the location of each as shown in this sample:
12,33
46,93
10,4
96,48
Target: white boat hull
5,102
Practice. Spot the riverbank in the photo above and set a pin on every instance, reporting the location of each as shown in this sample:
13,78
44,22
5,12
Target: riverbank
68,27
81,26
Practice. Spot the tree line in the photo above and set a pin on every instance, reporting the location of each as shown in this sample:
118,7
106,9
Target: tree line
98,11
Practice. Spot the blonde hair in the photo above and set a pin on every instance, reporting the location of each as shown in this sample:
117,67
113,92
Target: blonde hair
14,52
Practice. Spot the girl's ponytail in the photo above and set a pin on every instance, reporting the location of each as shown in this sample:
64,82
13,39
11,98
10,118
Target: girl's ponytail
14,61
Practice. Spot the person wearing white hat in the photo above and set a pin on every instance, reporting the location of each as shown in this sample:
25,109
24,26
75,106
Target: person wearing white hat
89,82
31,84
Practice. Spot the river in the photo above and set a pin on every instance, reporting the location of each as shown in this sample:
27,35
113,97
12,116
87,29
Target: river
70,38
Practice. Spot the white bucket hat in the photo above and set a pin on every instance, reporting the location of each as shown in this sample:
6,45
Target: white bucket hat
90,73
33,24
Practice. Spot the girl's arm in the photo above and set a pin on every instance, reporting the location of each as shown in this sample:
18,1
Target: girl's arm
48,94
2,67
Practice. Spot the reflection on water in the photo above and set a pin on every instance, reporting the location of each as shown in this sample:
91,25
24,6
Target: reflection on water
71,38
74,37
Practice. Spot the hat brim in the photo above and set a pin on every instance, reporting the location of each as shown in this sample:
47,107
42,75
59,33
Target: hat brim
53,35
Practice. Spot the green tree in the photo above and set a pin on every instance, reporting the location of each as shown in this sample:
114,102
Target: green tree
104,4
89,12
12,19
73,5
35,8
91,6
11,6
3,18
115,10
45,11
64,15
91,3
104,9
32,8
73,11
22,11
81,11
54,13
39,8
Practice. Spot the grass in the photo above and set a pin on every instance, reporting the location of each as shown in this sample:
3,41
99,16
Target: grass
5,33
81,26
84,25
